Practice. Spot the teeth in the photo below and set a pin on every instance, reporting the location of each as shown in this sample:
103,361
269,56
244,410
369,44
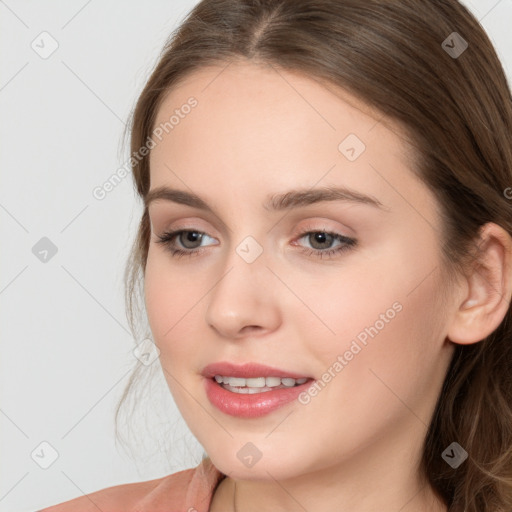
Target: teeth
246,391
258,382
235,381
272,382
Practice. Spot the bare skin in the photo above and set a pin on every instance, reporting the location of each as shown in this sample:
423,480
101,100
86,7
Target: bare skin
356,445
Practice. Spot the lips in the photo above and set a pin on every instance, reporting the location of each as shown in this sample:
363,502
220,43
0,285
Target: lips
248,370
256,403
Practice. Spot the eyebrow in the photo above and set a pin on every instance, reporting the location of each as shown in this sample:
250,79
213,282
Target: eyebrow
277,202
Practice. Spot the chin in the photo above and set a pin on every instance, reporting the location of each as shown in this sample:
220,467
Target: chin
266,468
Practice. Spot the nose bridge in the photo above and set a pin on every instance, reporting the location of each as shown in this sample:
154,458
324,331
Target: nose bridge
244,271
241,296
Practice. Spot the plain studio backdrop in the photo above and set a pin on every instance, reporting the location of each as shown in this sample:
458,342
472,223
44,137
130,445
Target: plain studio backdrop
71,72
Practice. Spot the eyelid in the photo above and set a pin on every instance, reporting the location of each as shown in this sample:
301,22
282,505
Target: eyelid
169,219
323,225
310,225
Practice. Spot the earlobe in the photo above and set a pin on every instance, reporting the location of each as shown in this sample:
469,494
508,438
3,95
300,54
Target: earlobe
488,288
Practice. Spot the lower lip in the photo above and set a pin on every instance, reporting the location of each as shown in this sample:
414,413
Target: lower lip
253,405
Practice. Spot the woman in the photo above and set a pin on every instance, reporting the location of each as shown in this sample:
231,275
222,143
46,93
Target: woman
326,258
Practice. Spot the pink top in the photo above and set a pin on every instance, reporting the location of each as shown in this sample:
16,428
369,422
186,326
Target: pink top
190,490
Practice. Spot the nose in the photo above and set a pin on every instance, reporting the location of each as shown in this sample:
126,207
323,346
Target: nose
244,301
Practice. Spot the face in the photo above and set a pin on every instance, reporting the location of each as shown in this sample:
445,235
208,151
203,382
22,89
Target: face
343,291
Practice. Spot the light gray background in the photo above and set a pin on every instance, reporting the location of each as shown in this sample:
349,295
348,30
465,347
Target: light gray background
66,347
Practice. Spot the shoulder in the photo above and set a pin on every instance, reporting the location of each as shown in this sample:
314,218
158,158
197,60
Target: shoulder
128,497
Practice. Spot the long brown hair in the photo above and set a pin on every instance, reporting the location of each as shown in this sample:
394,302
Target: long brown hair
457,110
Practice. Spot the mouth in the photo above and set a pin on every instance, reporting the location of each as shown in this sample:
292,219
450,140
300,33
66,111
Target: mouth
251,390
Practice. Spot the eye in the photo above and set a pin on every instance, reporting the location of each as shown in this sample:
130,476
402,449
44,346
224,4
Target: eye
319,239
189,240
191,237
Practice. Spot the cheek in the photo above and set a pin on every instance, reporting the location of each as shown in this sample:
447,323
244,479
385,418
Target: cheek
382,307
170,299
342,302
389,337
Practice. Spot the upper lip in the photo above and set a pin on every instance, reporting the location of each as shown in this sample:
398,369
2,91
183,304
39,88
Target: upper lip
247,371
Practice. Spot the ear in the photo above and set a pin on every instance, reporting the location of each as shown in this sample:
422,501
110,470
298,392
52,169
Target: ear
488,288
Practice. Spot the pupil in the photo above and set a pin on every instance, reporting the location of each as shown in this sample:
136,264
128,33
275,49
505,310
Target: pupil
191,236
321,238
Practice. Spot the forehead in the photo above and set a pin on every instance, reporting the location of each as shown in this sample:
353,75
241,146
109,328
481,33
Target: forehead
273,129
266,85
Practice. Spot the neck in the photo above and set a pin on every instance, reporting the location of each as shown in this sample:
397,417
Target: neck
238,497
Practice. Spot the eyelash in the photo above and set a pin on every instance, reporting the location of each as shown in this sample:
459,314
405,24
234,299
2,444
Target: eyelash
167,240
